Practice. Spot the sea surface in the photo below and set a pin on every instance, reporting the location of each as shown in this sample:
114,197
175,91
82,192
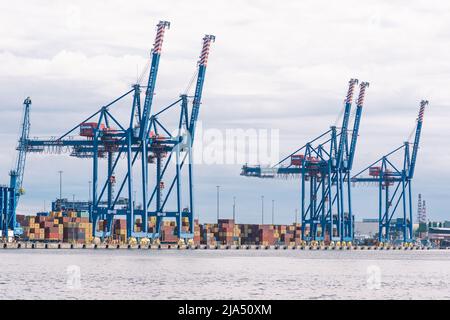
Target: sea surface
224,274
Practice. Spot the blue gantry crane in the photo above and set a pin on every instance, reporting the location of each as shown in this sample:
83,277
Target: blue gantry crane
149,137
9,195
324,165
393,177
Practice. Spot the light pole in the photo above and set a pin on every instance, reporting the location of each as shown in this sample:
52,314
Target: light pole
60,189
262,209
218,191
73,202
234,209
273,212
89,197
296,214
234,219
60,184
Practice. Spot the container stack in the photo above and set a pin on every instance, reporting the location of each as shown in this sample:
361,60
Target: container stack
74,227
226,231
298,232
102,225
21,219
268,235
249,233
119,230
185,224
209,239
185,227
151,225
209,233
287,235
56,227
197,234
168,231
32,229
77,230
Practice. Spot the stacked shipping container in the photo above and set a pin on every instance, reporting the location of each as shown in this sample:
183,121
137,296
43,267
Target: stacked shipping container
74,227
69,227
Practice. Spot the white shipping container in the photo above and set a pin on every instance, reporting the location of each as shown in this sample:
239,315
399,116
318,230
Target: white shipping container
1,233
10,233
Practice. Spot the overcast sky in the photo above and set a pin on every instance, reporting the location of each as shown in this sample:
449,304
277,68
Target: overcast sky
275,65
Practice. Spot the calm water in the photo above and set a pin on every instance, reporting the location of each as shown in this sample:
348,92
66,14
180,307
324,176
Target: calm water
75,274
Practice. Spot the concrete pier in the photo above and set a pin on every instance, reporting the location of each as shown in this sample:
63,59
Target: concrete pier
165,246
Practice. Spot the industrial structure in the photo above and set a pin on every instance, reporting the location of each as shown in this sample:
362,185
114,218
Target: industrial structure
136,203
393,177
9,195
146,138
324,165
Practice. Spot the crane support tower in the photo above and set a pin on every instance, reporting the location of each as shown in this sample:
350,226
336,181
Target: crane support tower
394,181
147,138
7,213
324,165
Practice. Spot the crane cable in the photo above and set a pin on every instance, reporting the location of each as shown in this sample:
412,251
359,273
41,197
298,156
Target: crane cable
144,72
412,132
147,68
139,82
340,115
189,86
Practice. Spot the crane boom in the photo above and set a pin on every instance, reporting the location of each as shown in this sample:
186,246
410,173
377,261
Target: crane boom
207,39
359,107
156,54
16,174
345,120
423,103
